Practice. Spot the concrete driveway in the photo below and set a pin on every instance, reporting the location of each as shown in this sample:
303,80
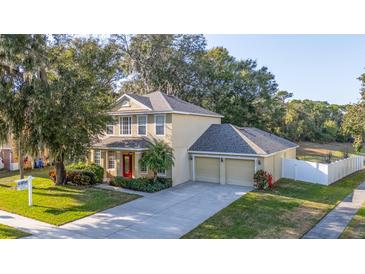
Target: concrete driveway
167,214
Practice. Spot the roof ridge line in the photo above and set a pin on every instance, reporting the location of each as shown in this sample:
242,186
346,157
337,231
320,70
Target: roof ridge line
163,96
255,147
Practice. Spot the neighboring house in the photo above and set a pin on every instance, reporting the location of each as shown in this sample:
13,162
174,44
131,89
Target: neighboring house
204,149
9,157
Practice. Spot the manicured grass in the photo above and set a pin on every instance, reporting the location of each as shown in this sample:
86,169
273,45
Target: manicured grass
316,152
289,210
57,204
7,232
356,228
42,172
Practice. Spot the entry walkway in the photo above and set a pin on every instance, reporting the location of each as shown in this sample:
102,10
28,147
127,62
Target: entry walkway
335,222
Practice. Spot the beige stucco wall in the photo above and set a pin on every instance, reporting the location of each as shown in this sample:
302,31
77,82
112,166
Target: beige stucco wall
151,131
273,164
186,130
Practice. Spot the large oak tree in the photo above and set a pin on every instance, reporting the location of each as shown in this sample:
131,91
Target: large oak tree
74,109
23,61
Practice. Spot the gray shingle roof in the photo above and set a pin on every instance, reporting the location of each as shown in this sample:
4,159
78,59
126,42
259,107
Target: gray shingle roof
221,138
142,99
122,143
226,138
183,106
159,101
268,142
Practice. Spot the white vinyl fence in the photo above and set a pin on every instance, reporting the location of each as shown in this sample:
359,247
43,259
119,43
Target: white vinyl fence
318,173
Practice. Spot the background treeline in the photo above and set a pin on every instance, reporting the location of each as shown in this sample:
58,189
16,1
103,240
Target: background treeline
247,95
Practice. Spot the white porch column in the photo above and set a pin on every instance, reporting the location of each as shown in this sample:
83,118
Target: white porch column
118,163
91,160
137,157
106,159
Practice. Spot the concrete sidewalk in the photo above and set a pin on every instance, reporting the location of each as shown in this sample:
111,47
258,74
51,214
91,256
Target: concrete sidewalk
36,228
335,222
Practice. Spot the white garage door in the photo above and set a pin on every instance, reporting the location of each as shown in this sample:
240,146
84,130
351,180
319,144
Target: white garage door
240,172
207,169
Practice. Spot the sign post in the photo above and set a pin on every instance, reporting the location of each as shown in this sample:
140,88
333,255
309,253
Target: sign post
30,179
26,184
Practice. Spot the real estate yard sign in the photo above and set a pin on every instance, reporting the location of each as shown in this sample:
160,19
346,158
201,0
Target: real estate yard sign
25,184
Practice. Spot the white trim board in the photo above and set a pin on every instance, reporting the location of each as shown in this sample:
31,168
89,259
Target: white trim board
119,148
122,113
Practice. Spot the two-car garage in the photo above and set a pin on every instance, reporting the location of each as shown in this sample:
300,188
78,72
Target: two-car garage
227,154
224,170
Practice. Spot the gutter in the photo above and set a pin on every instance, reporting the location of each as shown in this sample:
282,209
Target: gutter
240,154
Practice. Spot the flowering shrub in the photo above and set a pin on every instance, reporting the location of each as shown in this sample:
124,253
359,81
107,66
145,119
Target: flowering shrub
262,180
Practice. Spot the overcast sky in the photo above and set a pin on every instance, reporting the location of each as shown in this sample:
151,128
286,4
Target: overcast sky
317,67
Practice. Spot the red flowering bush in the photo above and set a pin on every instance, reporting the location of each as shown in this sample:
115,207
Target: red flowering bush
262,180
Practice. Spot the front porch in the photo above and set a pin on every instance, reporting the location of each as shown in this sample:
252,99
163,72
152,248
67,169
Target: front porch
120,156
123,163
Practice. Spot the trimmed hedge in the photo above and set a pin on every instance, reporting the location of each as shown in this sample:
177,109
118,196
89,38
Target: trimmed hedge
81,177
142,184
94,168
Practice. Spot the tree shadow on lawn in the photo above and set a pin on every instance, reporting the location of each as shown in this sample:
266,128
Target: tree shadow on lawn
58,211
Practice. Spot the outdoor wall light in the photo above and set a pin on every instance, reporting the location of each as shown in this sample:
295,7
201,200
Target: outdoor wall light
190,158
222,160
259,162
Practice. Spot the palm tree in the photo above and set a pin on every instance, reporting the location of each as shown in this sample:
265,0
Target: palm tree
159,156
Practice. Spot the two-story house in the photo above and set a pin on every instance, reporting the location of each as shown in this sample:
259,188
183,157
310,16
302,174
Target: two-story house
204,149
140,119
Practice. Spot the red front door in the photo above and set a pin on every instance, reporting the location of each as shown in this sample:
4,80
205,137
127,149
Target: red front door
127,165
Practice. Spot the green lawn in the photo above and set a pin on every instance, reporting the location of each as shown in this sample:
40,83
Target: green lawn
356,228
56,204
7,232
287,211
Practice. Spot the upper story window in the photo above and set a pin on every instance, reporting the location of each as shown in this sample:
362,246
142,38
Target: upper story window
142,124
160,124
126,125
97,157
110,129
